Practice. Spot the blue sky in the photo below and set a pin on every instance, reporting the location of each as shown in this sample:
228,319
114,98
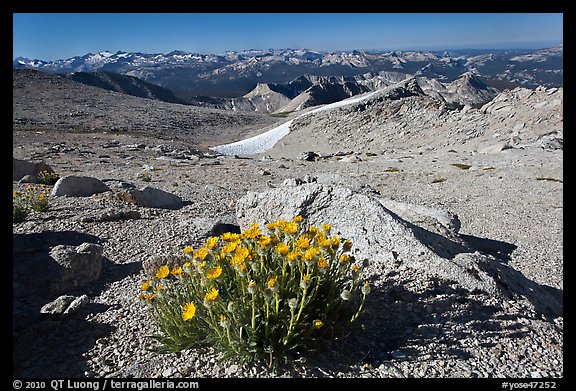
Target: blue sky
50,36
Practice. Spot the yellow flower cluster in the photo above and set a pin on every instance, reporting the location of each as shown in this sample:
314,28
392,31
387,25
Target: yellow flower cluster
273,274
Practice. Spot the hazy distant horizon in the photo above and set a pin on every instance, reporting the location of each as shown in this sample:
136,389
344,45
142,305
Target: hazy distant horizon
525,46
53,36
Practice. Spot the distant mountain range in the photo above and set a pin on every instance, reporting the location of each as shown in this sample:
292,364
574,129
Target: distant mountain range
193,76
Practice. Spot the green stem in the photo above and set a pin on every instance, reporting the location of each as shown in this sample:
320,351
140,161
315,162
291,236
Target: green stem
253,314
359,309
289,327
267,316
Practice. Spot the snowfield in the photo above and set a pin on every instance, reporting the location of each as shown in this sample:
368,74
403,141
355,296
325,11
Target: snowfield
265,141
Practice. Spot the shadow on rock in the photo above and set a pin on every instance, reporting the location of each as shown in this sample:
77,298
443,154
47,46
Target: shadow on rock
497,248
546,300
46,345
402,324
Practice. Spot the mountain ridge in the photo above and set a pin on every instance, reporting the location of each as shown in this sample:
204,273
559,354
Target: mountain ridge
234,74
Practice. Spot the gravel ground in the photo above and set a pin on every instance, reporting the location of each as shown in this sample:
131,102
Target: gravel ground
413,326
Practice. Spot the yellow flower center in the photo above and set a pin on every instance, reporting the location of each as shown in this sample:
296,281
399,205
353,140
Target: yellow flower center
188,311
163,272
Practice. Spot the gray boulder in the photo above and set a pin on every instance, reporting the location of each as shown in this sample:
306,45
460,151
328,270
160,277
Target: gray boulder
155,198
78,186
30,179
391,243
21,168
78,266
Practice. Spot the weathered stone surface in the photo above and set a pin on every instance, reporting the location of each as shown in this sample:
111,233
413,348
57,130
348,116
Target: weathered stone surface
65,305
78,186
57,306
434,219
21,168
155,198
389,241
79,266
30,179
495,148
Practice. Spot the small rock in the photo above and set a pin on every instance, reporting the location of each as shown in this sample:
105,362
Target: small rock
57,306
77,304
397,355
309,156
231,369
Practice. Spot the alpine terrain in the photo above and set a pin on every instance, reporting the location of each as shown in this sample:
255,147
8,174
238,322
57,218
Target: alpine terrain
444,169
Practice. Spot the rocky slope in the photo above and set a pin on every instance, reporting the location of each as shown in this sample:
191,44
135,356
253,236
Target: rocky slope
126,85
475,194
405,118
43,101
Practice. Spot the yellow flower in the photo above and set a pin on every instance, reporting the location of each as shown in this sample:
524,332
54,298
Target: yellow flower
297,219
230,237
177,271
326,228
314,231
224,322
305,281
344,258
188,311
145,286
251,232
214,272
274,239
355,269
201,253
282,248
347,245
211,242
288,227
322,263
188,250
186,264
251,287
311,253
303,242
318,324
335,241
366,288
163,272
264,241
230,247
211,296
240,254
293,255
322,241
272,226
146,297
159,288
272,282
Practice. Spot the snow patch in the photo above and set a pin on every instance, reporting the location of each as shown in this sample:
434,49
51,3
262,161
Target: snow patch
265,141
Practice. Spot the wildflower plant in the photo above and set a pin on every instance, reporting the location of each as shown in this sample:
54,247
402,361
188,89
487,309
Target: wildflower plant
48,178
34,198
20,210
259,296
